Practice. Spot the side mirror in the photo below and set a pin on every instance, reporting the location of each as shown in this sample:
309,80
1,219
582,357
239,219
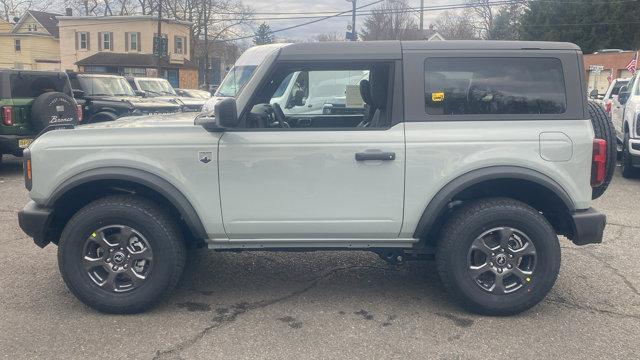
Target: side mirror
623,94
78,94
225,116
140,93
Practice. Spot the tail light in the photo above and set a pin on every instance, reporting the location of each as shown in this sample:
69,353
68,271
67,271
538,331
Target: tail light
607,106
598,162
79,112
7,115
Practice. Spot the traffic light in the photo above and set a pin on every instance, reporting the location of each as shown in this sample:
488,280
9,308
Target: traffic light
160,46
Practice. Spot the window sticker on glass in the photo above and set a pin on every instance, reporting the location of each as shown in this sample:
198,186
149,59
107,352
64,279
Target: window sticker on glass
437,96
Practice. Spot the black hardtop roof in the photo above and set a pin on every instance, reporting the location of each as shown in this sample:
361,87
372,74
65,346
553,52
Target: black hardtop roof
393,49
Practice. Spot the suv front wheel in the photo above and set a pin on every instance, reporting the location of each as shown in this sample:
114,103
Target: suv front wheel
121,254
498,256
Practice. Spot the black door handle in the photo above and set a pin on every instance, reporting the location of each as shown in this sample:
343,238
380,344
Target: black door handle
384,156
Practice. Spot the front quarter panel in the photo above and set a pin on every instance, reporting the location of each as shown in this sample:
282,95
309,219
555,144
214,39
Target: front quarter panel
171,153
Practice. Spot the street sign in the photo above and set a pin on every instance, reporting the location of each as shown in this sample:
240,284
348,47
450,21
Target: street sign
596,68
160,46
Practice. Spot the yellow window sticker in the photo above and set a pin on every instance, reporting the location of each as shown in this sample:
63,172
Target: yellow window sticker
437,96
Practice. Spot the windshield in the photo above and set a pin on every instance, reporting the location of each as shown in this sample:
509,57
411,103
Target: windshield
156,87
105,86
235,80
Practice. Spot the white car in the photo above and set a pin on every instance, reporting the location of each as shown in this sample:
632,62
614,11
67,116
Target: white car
625,117
611,104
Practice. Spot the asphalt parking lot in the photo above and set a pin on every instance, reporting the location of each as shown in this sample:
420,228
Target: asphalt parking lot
324,305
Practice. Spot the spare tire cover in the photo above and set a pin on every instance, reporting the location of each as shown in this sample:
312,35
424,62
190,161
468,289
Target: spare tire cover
53,108
603,129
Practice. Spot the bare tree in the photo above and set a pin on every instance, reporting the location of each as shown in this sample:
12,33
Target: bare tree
331,36
454,25
15,8
484,14
392,20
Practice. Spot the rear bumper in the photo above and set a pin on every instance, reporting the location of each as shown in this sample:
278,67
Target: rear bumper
34,220
588,226
9,144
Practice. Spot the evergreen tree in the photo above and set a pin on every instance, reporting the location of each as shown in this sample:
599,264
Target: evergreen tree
592,25
263,35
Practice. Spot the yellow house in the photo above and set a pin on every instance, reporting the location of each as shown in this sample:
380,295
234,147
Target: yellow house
32,43
124,45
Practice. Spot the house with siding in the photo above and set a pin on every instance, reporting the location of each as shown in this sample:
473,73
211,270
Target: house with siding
124,45
32,43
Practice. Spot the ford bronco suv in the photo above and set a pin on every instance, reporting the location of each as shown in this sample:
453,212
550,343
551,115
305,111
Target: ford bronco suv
31,101
477,154
108,97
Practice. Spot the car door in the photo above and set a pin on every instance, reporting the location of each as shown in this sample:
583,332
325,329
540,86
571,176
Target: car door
334,183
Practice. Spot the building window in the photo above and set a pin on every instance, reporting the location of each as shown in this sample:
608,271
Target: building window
106,41
134,71
32,27
83,41
179,45
16,45
134,41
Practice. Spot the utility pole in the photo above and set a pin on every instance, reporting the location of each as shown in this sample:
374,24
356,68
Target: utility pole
159,41
206,46
354,33
421,15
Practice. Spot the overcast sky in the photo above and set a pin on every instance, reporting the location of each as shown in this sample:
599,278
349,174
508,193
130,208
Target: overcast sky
338,24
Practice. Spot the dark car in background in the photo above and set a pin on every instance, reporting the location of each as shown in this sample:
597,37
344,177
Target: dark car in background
108,97
161,89
30,102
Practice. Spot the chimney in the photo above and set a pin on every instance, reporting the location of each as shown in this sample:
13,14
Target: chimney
68,11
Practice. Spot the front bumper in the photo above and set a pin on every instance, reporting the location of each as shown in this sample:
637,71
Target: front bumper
34,220
634,151
588,226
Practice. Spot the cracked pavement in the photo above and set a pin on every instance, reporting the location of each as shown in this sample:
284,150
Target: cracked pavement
323,305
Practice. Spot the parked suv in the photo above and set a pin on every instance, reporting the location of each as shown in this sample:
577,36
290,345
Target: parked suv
626,114
477,153
31,101
108,97
161,89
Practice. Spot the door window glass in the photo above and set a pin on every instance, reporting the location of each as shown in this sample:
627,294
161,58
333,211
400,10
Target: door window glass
461,86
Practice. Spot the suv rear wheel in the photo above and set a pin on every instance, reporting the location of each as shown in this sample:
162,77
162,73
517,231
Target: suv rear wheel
120,254
498,256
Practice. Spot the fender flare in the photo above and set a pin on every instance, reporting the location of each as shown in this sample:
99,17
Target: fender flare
438,204
104,112
141,177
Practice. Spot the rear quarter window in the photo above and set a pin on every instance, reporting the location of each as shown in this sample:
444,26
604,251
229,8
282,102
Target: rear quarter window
32,85
493,85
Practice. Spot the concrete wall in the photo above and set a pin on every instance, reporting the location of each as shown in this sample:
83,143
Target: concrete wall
69,27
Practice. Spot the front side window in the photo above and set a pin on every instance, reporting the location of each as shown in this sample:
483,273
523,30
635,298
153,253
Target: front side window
105,86
472,86
352,96
17,45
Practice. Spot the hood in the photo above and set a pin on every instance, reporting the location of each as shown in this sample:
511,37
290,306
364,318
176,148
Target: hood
138,102
178,119
181,100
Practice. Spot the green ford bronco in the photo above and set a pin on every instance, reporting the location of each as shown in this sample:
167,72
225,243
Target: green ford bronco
31,101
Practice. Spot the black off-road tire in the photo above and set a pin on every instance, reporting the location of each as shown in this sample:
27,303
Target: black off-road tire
153,223
53,108
603,129
474,219
628,170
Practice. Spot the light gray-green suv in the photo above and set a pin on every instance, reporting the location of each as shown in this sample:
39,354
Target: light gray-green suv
477,154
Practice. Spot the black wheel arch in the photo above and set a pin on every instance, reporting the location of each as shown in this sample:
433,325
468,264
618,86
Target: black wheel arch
87,186
527,185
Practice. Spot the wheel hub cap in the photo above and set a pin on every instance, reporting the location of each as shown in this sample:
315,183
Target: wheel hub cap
117,258
502,260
